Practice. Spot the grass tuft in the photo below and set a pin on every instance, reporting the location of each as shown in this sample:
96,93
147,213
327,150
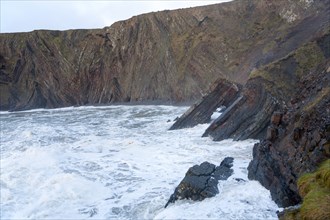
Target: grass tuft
305,183
316,204
314,188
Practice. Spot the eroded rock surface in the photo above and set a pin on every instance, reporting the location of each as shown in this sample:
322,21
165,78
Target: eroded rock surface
247,117
168,56
201,181
222,93
302,139
285,104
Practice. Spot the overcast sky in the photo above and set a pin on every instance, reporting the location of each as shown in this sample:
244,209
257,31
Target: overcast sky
26,15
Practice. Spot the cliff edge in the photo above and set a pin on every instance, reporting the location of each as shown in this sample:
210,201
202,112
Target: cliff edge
170,56
285,104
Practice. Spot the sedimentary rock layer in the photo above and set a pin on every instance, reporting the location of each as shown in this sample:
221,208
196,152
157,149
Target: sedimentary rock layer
222,93
169,56
301,140
286,105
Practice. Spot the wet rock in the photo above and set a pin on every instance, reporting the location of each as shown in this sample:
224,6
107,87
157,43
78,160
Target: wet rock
224,171
296,134
240,180
222,93
201,181
269,171
291,210
316,136
247,117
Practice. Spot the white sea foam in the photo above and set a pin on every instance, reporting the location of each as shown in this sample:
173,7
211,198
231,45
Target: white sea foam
117,162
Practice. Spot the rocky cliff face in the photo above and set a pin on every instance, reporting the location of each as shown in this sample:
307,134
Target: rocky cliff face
298,142
285,103
167,56
271,59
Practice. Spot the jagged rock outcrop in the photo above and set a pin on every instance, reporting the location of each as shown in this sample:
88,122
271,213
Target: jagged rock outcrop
247,117
201,181
286,105
166,56
302,141
222,93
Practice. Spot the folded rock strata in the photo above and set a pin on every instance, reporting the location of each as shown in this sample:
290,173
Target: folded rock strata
168,56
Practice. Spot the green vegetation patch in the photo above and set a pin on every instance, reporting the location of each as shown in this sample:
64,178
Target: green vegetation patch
316,204
278,82
291,215
315,190
308,57
269,47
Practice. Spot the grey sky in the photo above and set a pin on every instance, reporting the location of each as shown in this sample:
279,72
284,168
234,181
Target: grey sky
25,15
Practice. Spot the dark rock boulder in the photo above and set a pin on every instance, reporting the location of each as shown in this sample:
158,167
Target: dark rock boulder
222,93
224,171
201,181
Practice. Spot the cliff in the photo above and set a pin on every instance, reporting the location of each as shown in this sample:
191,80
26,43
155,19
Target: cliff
285,103
170,56
269,62
299,141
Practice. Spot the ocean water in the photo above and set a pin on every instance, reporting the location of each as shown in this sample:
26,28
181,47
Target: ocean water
117,162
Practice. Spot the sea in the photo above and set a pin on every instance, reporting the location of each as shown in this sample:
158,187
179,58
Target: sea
117,162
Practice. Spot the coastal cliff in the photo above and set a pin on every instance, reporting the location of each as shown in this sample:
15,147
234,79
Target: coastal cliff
169,56
285,104
266,62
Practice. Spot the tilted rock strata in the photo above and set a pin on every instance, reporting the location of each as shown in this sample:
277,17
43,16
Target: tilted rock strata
278,97
258,95
223,94
247,117
167,56
302,140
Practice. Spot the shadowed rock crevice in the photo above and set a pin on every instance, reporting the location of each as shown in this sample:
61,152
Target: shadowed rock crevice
201,181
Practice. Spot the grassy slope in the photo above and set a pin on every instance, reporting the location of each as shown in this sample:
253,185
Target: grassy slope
314,188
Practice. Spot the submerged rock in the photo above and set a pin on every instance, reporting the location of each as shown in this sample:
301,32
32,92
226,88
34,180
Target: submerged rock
201,181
